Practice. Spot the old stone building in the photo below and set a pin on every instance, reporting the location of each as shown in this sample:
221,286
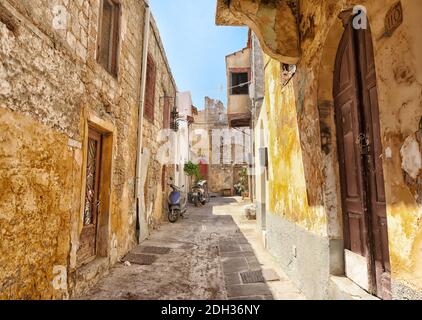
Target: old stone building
221,150
343,110
160,100
70,88
182,150
238,70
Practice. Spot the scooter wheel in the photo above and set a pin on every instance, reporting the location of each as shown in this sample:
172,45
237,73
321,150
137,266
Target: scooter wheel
196,202
173,216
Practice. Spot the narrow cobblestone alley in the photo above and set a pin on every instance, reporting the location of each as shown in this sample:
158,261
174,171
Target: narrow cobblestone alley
214,254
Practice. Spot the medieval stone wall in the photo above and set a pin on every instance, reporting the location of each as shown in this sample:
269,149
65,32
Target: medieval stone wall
50,85
156,139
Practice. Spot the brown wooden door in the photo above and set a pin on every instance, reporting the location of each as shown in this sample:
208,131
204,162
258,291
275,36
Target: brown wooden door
359,148
372,156
88,238
346,97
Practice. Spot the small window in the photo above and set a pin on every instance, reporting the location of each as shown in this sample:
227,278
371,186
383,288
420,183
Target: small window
108,37
240,83
150,89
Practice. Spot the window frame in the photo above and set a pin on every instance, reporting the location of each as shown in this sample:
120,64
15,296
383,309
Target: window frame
166,112
149,108
115,37
234,71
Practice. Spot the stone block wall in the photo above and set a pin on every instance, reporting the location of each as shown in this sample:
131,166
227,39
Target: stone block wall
157,139
50,85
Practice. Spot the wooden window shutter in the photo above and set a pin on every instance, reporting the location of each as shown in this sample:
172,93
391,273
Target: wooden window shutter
109,35
150,89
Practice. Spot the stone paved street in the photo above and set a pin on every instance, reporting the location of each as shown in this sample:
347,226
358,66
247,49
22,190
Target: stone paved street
214,254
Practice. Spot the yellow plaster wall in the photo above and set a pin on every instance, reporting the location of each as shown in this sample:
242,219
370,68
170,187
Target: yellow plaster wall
36,204
295,122
287,186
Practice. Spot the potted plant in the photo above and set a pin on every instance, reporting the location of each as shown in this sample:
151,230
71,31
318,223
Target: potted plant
241,188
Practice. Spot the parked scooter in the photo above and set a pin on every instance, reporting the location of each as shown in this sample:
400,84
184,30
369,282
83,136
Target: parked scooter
177,203
200,194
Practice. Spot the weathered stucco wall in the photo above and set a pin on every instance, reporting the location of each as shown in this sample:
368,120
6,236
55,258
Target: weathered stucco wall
288,184
305,110
238,60
400,107
50,87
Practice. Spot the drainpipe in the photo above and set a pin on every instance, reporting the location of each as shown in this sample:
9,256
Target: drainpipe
139,151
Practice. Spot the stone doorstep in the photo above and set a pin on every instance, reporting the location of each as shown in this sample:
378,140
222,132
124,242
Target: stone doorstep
342,288
88,275
92,269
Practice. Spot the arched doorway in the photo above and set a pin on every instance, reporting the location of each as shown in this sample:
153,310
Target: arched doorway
359,152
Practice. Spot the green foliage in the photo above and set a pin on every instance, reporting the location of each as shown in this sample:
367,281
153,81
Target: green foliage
192,170
243,174
242,185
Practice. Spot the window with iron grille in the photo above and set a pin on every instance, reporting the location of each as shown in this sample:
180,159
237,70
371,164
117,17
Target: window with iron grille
150,89
239,83
109,34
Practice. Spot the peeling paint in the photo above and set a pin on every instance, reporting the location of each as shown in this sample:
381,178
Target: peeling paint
411,157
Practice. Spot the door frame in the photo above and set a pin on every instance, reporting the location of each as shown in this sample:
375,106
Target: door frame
369,241
106,129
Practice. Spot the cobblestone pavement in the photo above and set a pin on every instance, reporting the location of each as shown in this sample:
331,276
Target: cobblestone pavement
213,254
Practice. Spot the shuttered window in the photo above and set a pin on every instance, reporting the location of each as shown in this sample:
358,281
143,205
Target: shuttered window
150,89
166,113
239,83
108,39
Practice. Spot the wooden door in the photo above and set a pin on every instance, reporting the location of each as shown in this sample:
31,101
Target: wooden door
203,169
359,149
88,238
348,117
372,156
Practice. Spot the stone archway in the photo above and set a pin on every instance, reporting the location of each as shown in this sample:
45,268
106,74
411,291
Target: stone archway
330,169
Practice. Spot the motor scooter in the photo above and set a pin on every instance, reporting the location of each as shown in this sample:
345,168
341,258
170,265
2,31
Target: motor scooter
200,194
177,203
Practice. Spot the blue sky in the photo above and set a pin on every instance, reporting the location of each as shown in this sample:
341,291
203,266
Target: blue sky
196,47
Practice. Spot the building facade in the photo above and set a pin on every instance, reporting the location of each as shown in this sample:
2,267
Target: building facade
220,150
182,152
158,138
343,110
69,103
238,69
